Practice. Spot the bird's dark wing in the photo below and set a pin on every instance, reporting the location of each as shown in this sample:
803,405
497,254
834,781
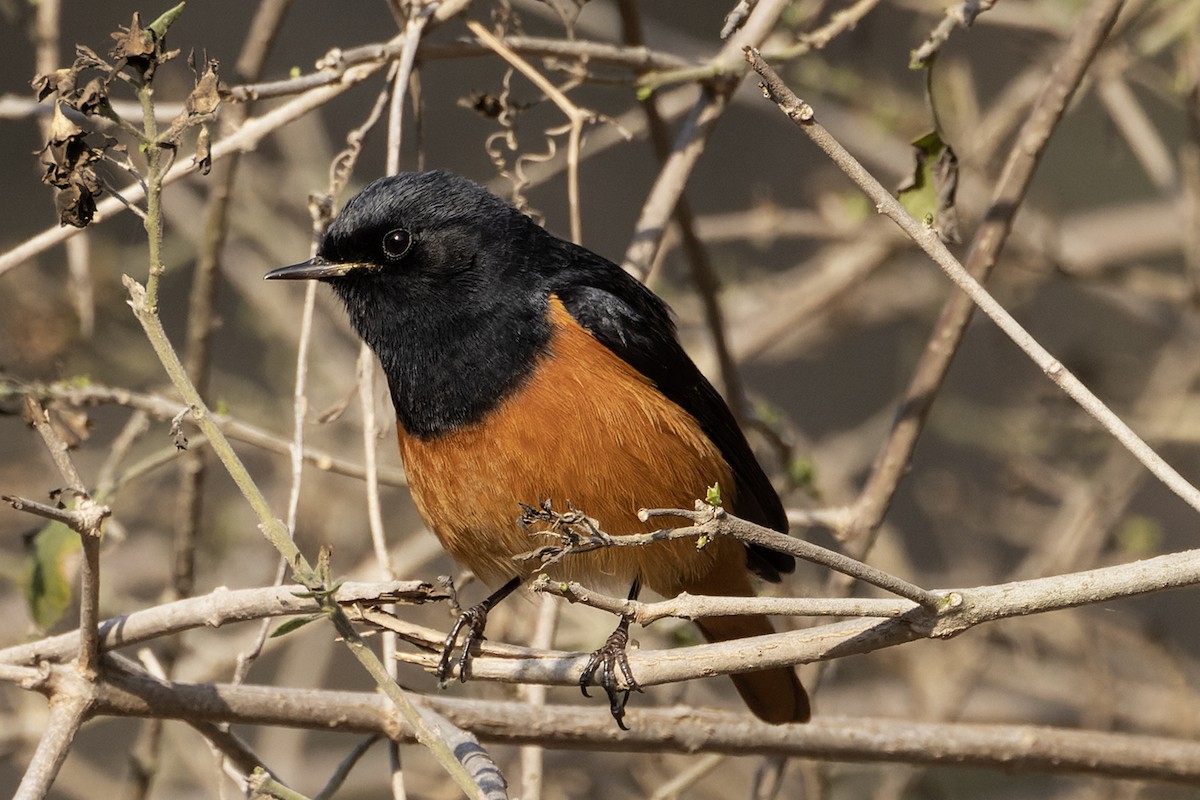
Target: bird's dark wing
636,325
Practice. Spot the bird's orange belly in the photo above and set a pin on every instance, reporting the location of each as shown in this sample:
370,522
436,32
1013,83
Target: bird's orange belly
587,431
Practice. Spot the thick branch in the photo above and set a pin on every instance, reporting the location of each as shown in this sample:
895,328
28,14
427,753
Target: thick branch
214,610
71,704
1013,747
961,609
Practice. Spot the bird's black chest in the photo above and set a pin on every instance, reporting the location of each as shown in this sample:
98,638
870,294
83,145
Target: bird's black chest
447,368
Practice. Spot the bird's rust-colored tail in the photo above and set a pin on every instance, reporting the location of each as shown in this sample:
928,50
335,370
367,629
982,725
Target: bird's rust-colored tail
774,695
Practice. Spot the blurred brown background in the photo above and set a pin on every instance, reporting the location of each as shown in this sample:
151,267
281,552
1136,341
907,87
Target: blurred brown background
1097,270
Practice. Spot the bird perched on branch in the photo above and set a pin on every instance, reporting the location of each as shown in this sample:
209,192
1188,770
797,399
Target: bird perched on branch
526,369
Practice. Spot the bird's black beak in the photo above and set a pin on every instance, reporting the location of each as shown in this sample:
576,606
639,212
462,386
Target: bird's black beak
314,269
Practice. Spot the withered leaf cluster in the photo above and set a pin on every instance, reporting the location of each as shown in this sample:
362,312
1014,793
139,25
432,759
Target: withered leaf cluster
200,104
71,153
73,149
142,49
70,163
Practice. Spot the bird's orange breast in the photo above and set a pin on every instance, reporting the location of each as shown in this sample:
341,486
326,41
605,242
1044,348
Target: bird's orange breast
588,429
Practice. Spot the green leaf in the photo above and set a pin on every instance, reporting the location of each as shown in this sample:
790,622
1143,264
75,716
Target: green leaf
802,472
160,25
1140,536
49,575
294,625
713,496
928,192
916,193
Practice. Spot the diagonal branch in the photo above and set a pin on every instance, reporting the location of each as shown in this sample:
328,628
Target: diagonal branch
931,369
660,203
988,244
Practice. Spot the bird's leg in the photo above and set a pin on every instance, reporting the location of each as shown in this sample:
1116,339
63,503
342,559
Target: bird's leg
473,619
608,659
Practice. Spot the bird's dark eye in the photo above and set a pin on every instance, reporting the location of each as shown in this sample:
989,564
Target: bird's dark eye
396,243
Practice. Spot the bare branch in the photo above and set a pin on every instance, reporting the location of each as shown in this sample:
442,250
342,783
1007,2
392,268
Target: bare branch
1011,747
927,238
693,606
214,610
893,458
660,203
161,407
961,609
74,700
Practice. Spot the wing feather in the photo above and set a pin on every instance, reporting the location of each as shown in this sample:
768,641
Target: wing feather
636,325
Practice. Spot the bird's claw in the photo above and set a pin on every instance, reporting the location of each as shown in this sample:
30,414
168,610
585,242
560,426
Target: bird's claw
474,619
607,660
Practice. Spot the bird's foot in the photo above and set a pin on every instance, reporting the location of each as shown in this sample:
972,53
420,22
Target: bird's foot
474,620
610,658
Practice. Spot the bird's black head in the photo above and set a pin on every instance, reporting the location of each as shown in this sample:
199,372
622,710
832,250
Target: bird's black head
447,283
419,232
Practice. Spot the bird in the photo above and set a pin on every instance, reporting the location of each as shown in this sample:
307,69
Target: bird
528,372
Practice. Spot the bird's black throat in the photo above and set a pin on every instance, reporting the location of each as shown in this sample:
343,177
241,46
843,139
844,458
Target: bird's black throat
447,364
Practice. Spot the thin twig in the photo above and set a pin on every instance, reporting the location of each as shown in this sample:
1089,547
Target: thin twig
1138,130
365,372
59,452
259,39
87,518
164,408
693,606
533,756
639,58
960,15
344,766
663,197
272,527
66,516
708,521
729,65
703,273
576,117
206,282
693,774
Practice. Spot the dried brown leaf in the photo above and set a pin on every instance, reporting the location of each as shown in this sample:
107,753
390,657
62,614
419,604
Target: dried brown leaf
204,98
60,82
75,205
87,58
62,129
133,44
92,97
203,157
